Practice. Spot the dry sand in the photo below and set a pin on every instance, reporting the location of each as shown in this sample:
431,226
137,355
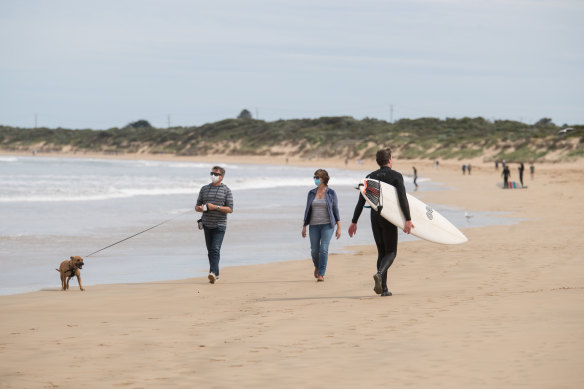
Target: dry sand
503,310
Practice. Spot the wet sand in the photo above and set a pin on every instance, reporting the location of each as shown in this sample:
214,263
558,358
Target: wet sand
503,310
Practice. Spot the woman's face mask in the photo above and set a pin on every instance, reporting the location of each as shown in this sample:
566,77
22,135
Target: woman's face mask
317,181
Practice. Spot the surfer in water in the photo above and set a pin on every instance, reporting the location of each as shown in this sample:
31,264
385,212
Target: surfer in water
415,176
384,232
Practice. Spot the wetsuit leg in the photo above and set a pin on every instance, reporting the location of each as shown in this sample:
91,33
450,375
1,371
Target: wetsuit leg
385,235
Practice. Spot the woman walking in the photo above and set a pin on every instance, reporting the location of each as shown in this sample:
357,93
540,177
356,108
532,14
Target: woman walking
321,214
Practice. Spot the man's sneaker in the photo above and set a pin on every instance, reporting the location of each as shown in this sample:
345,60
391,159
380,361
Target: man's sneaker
377,277
385,293
212,278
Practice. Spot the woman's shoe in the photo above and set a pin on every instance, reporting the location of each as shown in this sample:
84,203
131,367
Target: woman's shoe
315,272
319,279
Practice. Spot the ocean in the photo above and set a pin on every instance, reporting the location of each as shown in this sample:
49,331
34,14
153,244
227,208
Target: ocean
54,208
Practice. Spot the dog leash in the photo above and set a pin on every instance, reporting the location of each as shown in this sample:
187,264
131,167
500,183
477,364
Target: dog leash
141,232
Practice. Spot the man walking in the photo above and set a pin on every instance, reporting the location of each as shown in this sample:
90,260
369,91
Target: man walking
215,201
384,232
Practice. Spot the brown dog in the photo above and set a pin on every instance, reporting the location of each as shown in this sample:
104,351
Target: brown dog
70,268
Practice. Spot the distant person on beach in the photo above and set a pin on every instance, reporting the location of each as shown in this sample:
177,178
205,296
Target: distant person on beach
532,171
321,215
463,169
468,167
506,174
415,176
521,170
215,201
497,165
384,232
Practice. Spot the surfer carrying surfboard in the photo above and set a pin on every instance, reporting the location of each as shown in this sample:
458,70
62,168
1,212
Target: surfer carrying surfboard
384,232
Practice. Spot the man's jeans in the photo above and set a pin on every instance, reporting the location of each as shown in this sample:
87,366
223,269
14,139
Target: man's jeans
320,237
214,239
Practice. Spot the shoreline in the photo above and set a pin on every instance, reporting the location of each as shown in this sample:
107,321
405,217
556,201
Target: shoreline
369,164
502,310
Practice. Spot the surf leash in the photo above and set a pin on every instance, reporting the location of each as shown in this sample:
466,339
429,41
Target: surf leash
141,232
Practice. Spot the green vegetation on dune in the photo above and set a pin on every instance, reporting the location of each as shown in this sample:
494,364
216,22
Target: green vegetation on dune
343,137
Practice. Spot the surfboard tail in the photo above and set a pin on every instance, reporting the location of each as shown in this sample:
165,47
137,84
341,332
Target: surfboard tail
372,191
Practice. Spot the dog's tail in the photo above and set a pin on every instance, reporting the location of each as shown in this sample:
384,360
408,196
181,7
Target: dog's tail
58,270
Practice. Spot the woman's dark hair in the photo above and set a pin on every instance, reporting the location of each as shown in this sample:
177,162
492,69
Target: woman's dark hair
220,169
383,156
323,175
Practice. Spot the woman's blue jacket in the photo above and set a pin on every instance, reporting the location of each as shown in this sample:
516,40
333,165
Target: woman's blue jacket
331,201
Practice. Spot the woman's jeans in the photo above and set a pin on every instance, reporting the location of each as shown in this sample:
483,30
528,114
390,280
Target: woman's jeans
214,239
320,237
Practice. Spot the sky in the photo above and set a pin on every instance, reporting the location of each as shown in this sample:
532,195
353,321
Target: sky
103,64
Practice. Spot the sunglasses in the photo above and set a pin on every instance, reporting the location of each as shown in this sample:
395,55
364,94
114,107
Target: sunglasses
316,177
215,174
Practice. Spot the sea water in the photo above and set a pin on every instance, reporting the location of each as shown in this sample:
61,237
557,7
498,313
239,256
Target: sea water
54,208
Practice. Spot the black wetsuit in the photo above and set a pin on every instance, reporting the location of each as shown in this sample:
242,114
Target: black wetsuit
506,174
384,232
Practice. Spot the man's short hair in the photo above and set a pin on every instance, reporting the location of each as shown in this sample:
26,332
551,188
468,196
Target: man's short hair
383,156
220,169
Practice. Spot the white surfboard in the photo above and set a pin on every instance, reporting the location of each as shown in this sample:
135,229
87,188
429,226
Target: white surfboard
429,224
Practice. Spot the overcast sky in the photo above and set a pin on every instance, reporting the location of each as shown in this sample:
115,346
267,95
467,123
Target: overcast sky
102,64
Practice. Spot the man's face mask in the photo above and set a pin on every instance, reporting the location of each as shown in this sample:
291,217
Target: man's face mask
215,177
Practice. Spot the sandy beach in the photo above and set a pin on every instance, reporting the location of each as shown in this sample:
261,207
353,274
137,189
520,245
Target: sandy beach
503,310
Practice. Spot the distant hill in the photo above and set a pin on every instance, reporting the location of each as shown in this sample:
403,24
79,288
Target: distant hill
343,137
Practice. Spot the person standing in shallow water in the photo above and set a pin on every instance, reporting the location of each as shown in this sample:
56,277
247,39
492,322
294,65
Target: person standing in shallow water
215,201
321,215
415,176
384,232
